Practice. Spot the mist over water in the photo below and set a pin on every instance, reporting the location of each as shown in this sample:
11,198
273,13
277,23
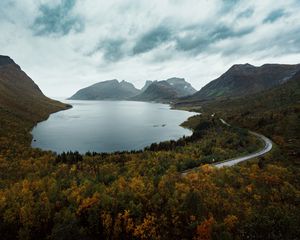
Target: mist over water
108,126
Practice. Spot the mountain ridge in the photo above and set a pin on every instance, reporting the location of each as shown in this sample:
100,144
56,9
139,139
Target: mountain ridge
109,89
6,60
244,79
21,99
165,90
157,91
123,90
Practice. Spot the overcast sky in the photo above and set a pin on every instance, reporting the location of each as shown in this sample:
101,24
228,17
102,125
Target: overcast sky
64,45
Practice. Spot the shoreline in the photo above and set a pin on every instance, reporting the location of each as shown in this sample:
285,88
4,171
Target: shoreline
70,106
229,162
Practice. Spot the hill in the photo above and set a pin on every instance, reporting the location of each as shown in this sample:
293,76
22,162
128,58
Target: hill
110,90
182,87
20,96
244,79
274,112
147,84
159,91
22,105
165,90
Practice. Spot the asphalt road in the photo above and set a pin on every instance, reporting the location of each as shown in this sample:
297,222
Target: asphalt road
230,162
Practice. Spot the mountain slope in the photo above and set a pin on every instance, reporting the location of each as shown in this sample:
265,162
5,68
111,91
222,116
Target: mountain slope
274,112
165,90
147,84
21,96
22,105
243,79
111,90
182,87
159,91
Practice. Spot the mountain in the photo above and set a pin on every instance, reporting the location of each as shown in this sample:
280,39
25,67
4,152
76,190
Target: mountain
147,84
244,79
158,91
165,90
274,112
284,96
182,87
20,96
6,60
110,89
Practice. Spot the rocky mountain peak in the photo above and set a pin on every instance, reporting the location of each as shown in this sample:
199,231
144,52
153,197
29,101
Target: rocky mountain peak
6,60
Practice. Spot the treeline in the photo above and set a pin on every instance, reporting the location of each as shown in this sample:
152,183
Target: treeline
69,157
198,132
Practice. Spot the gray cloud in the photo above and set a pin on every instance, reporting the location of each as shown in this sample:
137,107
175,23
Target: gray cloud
152,39
282,43
3,6
228,5
246,14
274,16
57,19
207,37
112,49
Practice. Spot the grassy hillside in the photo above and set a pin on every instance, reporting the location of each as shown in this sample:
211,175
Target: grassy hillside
22,105
244,79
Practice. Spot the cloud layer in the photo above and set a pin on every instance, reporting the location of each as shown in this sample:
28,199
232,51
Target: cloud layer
69,44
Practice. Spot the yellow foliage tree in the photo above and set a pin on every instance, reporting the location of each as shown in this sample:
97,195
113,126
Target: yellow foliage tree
204,229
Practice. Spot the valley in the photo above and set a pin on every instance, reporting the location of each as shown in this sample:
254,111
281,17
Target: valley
119,195
150,120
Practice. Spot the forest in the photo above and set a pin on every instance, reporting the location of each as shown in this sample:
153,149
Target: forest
143,195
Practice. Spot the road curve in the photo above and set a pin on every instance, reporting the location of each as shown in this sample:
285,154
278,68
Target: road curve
230,162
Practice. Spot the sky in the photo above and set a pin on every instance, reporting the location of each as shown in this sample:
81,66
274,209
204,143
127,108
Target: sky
65,45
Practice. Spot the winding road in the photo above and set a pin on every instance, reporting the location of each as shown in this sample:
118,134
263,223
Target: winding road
230,162
268,146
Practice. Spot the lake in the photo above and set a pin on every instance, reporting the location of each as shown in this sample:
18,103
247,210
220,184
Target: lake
108,126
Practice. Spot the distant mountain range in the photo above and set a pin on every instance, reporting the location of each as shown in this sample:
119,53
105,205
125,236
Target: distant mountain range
107,90
159,91
239,80
147,84
165,90
21,96
244,79
21,93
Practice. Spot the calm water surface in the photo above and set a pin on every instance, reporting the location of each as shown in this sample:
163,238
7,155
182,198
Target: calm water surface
107,126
